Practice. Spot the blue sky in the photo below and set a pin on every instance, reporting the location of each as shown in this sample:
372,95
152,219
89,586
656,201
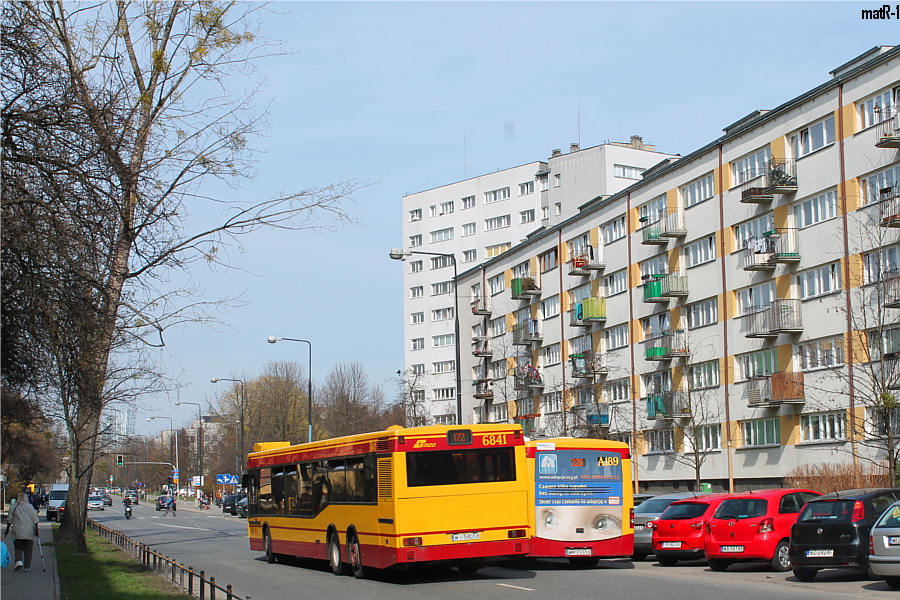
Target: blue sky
389,91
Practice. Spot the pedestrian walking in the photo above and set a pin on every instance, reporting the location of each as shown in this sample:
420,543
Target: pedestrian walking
23,521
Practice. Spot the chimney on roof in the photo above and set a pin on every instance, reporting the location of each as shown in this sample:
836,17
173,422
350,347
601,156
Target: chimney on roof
574,148
556,152
637,142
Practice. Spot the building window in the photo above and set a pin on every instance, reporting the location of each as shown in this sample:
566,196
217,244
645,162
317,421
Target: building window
447,208
448,419
876,109
418,396
416,318
442,235
652,211
614,230
526,216
756,364
704,375
438,341
497,223
498,370
698,191
627,172
616,283
618,390
760,432
470,255
812,138
497,284
701,251
416,291
552,403
660,440
820,282
658,265
815,210
418,369
883,342
752,230
550,307
557,180
750,166
709,437
823,427
870,186
497,413
557,208
415,215
526,188
415,240
821,354
444,393
880,262
468,229
444,366
545,213
418,343
440,262
548,260
496,195
616,337
753,299
703,313
442,314
442,287
415,266
468,202
550,355
492,251
655,326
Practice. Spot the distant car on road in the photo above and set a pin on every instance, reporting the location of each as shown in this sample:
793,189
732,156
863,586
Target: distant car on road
242,508
161,503
107,499
95,503
133,495
229,504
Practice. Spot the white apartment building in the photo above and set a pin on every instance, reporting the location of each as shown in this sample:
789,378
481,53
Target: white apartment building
735,313
478,219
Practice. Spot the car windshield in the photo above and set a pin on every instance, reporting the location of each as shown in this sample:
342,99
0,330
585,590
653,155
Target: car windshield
742,508
96,499
688,510
59,494
890,518
653,506
835,511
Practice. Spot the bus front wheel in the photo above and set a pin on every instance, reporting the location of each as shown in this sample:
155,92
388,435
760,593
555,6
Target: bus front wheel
267,544
334,555
354,554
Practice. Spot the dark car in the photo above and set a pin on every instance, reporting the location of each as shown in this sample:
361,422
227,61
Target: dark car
229,504
832,531
107,500
161,503
242,508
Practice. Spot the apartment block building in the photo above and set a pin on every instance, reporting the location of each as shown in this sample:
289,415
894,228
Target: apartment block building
734,314
478,219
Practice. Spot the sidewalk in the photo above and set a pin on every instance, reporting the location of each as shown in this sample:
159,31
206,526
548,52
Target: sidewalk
36,584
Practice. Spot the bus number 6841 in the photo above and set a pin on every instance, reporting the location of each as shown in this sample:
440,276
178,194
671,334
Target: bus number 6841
494,439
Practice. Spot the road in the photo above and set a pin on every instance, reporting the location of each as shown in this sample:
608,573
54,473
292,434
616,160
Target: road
218,544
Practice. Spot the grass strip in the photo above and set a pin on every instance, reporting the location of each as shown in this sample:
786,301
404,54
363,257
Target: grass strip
109,573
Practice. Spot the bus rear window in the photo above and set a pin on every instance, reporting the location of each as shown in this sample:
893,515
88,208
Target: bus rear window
451,467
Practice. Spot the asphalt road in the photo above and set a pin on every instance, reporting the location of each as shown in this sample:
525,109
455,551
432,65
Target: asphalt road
218,544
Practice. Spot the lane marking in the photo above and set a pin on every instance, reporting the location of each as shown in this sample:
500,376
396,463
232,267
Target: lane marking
515,587
183,527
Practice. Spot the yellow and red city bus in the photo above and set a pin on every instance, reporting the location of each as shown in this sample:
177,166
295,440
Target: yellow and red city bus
581,498
437,494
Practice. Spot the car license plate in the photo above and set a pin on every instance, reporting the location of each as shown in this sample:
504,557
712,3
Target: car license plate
638,526
820,553
893,540
731,548
578,552
670,545
466,537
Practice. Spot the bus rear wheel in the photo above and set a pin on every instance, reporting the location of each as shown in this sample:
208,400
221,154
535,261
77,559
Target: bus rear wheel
334,555
354,554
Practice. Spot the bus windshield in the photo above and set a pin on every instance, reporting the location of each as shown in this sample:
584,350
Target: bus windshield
450,467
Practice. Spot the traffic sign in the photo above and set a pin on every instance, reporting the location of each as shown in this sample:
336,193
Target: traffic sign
223,479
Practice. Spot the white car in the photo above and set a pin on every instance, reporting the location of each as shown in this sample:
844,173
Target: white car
95,503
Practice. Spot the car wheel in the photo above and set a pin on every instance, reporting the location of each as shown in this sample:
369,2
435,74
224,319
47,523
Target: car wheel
667,561
805,574
354,555
638,557
584,561
782,560
893,582
334,555
718,564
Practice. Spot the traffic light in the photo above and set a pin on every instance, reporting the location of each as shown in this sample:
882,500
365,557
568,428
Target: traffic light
120,460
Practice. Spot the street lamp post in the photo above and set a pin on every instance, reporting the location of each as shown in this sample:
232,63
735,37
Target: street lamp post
175,435
272,340
200,434
399,254
243,404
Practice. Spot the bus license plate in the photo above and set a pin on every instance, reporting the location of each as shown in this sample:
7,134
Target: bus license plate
731,548
820,553
466,537
638,526
670,545
578,552
894,540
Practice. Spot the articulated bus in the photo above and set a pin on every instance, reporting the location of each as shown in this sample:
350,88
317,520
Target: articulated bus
456,496
581,499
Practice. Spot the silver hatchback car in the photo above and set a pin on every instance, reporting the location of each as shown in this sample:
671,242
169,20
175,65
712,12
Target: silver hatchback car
884,546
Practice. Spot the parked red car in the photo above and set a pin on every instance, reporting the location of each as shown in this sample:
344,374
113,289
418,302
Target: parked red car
755,526
680,532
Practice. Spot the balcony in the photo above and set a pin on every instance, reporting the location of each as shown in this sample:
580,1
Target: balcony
484,389
757,323
754,188
597,414
669,345
526,333
659,288
652,231
783,245
586,365
673,224
481,306
482,347
776,389
668,404
891,282
889,205
889,129
587,312
528,378
786,316
523,288
756,255
781,176
587,260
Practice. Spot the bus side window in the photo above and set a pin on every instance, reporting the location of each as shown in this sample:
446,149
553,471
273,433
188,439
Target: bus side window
306,490
321,488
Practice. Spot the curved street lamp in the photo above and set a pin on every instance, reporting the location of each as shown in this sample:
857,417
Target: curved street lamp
200,434
273,340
